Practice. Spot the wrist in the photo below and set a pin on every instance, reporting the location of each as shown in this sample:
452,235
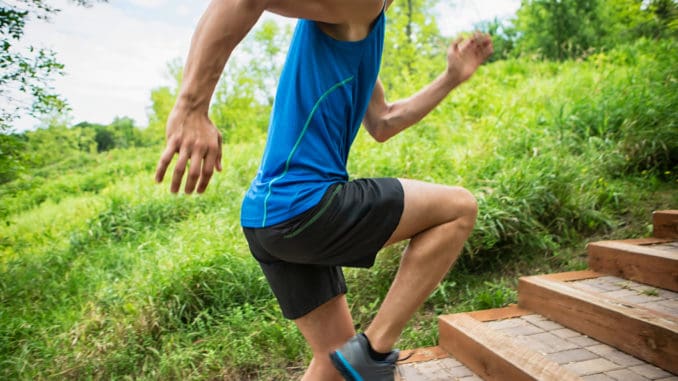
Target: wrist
451,78
191,103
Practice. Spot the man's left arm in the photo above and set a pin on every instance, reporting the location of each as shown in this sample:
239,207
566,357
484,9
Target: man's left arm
384,120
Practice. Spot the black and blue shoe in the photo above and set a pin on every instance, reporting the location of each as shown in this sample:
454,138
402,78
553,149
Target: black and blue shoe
353,361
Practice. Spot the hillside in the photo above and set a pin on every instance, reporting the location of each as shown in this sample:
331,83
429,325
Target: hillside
103,273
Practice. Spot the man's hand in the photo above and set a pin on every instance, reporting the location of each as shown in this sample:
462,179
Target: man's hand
194,138
464,56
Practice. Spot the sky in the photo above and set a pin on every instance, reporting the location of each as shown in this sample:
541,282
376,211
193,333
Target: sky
115,53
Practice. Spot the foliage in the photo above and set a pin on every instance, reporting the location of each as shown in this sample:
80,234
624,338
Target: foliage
24,153
558,29
25,73
24,79
504,37
162,101
414,50
11,147
244,95
574,28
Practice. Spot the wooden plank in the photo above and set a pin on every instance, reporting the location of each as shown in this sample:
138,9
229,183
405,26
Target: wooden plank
422,355
665,224
575,275
630,328
640,263
509,312
494,356
646,241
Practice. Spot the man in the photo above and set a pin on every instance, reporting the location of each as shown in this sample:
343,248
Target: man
301,216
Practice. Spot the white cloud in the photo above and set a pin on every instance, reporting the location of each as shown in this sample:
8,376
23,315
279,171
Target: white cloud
183,10
148,3
462,15
112,59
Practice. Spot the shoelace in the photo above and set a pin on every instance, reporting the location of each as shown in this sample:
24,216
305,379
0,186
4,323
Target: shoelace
406,357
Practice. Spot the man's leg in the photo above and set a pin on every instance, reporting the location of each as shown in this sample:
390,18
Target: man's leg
325,329
437,219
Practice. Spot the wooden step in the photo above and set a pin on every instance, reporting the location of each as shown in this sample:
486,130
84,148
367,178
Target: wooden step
665,224
516,344
606,308
652,261
493,355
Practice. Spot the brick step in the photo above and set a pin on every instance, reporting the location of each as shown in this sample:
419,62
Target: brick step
517,344
652,261
432,364
635,318
665,224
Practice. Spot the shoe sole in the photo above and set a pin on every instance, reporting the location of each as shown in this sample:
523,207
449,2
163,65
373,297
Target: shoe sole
344,367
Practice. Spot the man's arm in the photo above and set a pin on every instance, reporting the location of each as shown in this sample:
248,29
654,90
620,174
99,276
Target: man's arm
190,133
384,120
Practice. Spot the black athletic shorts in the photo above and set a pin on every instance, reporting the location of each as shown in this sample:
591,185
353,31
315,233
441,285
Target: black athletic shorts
302,257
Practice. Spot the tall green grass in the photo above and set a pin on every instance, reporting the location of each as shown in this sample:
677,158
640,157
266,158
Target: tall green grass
104,274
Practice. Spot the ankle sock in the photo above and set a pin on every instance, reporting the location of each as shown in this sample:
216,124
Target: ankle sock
374,355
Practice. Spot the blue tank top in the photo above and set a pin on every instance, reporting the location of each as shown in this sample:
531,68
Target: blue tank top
322,96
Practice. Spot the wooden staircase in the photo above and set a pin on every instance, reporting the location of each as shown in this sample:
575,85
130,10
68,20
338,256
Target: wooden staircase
617,321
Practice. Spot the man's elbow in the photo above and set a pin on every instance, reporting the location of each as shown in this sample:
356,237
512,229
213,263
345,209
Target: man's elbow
380,131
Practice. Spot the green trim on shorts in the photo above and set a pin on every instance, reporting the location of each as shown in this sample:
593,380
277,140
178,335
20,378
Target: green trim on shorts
317,215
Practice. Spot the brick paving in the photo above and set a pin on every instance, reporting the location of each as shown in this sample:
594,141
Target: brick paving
584,356
447,369
660,300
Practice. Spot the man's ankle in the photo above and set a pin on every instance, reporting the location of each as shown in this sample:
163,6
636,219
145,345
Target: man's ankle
375,355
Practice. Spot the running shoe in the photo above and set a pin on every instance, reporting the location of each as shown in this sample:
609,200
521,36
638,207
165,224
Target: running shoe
353,361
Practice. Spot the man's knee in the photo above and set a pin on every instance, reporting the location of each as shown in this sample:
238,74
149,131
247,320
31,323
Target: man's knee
467,207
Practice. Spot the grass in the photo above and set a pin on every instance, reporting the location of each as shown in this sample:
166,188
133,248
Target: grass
105,275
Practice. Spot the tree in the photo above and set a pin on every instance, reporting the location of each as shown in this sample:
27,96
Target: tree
414,51
11,160
49,144
245,94
125,133
563,29
558,29
504,37
104,138
25,72
628,20
162,101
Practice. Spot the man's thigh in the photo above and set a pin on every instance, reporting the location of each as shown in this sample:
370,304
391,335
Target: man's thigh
427,205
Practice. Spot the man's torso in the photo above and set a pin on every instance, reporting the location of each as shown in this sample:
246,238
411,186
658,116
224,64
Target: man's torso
322,96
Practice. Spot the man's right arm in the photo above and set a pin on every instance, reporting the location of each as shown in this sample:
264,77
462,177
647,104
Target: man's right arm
223,25
190,133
